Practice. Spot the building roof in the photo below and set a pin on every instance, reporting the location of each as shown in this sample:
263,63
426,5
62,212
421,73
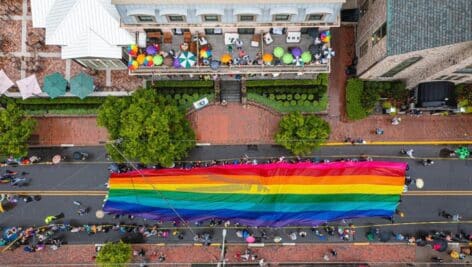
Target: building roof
41,9
436,94
250,2
422,24
85,28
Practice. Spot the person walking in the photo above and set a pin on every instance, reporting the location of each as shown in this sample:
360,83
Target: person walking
49,219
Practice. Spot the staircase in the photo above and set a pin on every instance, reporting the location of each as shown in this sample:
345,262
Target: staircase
230,91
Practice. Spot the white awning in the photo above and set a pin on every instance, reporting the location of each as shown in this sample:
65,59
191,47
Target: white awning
247,11
210,11
283,10
5,82
39,12
141,11
172,11
319,10
29,86
90,44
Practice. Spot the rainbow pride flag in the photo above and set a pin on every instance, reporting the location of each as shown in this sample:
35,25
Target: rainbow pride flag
261,195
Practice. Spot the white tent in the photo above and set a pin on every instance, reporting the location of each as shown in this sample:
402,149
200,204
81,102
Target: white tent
29,86
5,82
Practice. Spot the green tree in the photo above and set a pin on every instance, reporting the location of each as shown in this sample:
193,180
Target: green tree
15,130
114,254
151,127
302,134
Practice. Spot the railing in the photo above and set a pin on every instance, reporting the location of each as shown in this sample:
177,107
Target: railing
235,69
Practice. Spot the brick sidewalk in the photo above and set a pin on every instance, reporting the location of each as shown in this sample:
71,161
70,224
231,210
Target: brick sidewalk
186,254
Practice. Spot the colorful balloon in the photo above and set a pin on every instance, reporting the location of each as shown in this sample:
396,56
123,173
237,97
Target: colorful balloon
141,59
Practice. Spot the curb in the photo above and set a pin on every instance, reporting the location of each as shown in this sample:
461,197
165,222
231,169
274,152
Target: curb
398,143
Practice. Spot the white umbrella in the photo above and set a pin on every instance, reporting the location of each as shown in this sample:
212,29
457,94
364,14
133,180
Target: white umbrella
419,183
5,82
29,86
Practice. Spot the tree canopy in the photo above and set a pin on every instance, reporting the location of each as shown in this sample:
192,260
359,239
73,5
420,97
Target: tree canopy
15,131
150,128
302,134
114,254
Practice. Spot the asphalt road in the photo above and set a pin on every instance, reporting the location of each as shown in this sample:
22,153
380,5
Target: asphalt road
421,212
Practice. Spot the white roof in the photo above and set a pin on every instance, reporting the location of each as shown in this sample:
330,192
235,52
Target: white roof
85,28
92,45
39,10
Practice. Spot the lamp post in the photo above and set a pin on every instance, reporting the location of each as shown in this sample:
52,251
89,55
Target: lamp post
222,255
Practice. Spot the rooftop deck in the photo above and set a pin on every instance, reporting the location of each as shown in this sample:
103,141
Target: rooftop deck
218,47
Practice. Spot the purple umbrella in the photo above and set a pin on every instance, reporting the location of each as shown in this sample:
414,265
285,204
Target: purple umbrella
151,50
296,52
176,63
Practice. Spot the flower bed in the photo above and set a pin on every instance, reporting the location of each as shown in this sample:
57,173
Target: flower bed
290,95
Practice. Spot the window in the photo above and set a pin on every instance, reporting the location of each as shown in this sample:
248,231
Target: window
180,31
213,31
246,30
143,18
211,18
467,70
247,18
363,49
281,17
175,18
364,8
379,34
398,68
311,17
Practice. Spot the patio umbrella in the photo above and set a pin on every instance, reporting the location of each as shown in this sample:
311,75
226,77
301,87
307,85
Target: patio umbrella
306,57
133,65
214,64
187,59
5,82
296,52
287,58
158,60
278,52
226,58
151,50
169,61
140,59
205,53
176,63
419,183
28,86
81,85
55,85
267,58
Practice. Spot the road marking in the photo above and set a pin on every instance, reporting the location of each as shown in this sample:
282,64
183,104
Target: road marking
438,193
397,143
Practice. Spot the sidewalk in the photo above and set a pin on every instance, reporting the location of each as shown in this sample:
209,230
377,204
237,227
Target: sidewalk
186,254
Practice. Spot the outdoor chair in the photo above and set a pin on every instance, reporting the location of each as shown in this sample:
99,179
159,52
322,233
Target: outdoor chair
268,38
155,37
256,40
167,38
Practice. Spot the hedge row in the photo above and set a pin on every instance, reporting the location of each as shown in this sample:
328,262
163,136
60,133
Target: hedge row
321,79
173,91
292,105
182,84
55,101
185,101
354,107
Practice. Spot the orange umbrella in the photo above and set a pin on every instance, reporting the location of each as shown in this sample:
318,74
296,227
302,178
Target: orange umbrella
267,57
226,58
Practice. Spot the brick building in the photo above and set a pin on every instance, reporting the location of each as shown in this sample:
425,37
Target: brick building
415,41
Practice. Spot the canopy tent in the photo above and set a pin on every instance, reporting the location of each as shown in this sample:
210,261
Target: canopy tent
261,195
5,82
55,85
29,86
81,85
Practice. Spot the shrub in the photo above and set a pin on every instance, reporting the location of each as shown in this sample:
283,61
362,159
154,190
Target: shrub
272,97
182,84
302,134
354,89
274,83
293,103
297,96
310,97
289,97
114,254
303,96
369,97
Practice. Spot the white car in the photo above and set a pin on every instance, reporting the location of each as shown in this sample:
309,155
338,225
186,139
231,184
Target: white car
201,103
